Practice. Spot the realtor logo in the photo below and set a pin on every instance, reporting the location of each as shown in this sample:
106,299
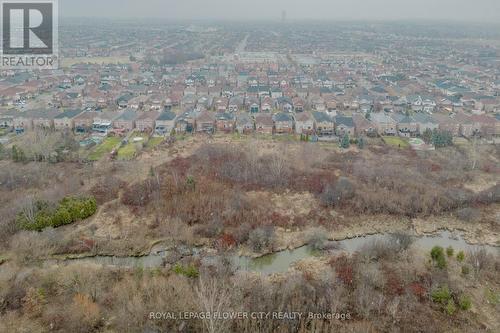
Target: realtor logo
29,34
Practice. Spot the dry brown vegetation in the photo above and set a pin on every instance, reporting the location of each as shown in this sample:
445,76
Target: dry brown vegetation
230,196
386,281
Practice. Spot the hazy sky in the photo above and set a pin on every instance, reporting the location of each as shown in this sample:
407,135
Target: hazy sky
470,10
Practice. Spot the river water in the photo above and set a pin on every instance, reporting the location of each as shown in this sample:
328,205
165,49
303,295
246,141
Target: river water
281,262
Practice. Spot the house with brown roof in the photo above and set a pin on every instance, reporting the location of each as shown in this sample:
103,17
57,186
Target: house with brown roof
486,125
344,125
264,123
323,124
65,120
304,123
126,120
83,122
145,121
283,123
363,126
225,122
244,123
385,124
205,122
447,123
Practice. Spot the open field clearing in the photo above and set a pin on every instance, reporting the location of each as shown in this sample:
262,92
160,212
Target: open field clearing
68,62
105,147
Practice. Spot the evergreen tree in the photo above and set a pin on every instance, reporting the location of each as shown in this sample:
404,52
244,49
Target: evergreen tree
427,136
361,143
346,142
15,155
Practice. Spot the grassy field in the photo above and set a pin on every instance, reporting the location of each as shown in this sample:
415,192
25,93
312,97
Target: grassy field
104,148
396,141
68,62
131,149
154,142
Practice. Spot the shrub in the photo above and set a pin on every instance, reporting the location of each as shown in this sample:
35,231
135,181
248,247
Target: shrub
465,303
261,238
441,262
460,256
401,241
317,238
107,189
465,270
139,194
441,295
450,251
41,214
342,191
189,271
78,208
437,254
450,307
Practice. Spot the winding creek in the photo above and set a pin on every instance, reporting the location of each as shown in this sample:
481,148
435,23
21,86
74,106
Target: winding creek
278,262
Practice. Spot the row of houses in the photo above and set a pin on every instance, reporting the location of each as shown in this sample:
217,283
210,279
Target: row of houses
194,120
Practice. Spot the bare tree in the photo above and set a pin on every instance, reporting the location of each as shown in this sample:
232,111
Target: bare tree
214,298
28,208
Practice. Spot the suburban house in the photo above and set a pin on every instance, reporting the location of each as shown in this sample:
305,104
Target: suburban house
6,121
266,104
83,122
103,121
253,105
283,123
407,126
165,122
236,104
425,122
205,122
244,124
447,123
363,126
304,123
264,123
225,122
323,124
486,125
42,118
65,120
285,104
318,104
146,120
186,121
343,126
23,122
298,104
221,104
126,120
123,100
385,124
467,128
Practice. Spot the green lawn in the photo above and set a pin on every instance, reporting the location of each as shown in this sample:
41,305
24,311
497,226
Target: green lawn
106,147
128,151
287,137
131,149
154,142
396,141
